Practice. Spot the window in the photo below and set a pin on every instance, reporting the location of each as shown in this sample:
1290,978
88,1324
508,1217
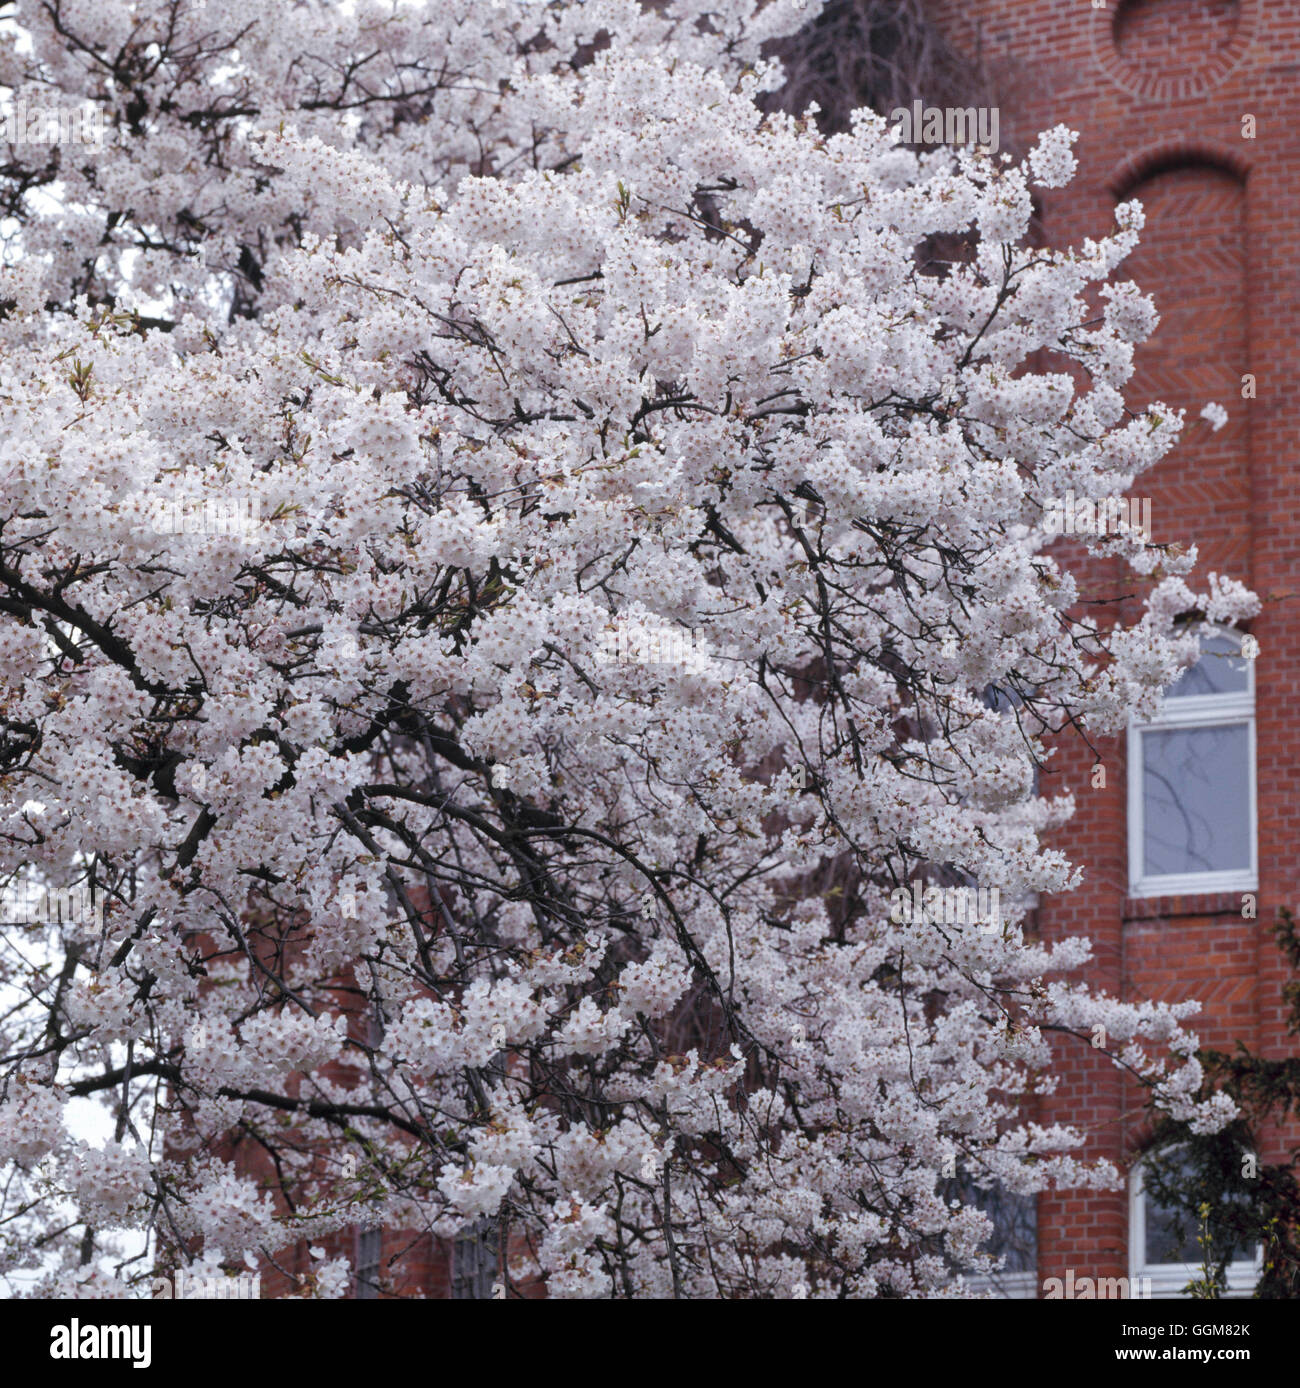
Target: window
370,1247
1163,1246
1191,784
1013,1238
370,1240
1009,702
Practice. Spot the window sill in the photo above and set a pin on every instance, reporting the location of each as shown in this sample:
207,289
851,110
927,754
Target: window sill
1168,1280
1146,908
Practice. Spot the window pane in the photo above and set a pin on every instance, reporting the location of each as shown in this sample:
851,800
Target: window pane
1222,669
1162,1244
370,1247
1014,1235
1015,1228
1196,800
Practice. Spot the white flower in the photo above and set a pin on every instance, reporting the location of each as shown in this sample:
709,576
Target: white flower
31,1123
1051,160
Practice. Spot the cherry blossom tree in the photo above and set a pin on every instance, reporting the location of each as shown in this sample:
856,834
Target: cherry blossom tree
489,520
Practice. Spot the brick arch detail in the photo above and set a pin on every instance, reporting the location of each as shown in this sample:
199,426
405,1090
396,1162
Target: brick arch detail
1177,152
1157,80
1193,259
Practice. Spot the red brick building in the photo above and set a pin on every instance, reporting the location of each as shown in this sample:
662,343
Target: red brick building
1185,105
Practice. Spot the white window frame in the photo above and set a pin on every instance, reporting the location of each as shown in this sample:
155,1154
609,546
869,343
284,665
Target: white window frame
1193,711
1170,1279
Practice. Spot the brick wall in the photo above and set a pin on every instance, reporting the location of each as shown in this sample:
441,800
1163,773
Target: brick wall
1158,90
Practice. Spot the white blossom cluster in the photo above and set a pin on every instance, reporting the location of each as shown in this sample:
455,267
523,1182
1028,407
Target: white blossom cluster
405,881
